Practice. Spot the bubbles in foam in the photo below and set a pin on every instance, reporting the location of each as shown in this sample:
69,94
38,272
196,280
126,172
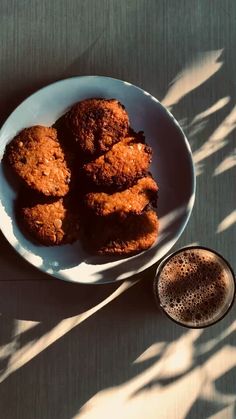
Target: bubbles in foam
193,287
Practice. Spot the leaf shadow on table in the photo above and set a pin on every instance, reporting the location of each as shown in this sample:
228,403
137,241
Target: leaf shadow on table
5,343
96,335
183,380
120,331
157,363
203,364
30,310
164,363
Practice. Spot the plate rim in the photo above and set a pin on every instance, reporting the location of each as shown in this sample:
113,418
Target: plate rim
191,202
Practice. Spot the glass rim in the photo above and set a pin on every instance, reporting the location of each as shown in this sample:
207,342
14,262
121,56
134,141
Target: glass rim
156,281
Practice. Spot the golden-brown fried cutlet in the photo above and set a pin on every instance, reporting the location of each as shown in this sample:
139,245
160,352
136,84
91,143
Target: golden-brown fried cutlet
121,166
96,124
38,159
50,221
122,236
131,200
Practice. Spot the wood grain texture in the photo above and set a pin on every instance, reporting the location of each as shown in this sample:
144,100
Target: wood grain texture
147,43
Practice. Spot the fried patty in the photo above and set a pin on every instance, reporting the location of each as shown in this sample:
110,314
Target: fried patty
38,159
50,221
115,236
96,124
121,166
131,200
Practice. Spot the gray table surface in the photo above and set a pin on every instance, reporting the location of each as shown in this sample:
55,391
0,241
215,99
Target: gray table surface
73,351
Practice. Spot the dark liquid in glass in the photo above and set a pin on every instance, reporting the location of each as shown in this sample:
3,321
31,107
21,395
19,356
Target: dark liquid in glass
195,287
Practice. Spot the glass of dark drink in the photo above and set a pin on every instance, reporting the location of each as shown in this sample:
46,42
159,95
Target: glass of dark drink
195,286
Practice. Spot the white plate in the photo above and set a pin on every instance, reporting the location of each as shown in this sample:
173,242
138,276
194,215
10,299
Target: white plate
172,167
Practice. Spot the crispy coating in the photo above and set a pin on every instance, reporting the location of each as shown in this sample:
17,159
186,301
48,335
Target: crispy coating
121,166
38,159
132,200
115,236
93,153
96,124
50,221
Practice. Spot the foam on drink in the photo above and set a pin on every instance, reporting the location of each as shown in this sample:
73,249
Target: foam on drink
195,287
